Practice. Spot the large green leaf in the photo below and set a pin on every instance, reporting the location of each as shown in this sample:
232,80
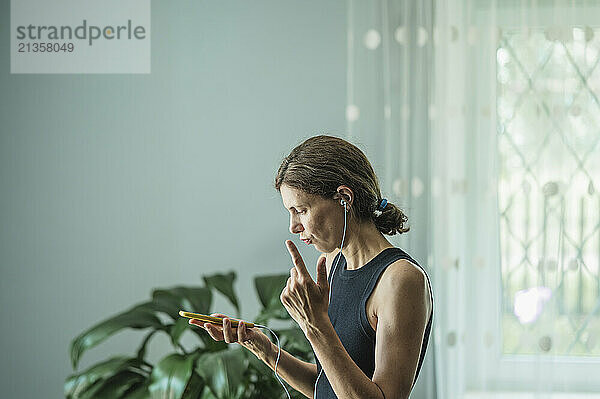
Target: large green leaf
194,388
141,352
172,300
223,372
294,341
210,345
170,376
77,385
176,329
263,383
275,312
269,289
259,365
138,391
115,386
207,394
140,316
224,284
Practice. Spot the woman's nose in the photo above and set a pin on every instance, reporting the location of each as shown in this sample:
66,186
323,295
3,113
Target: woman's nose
295,227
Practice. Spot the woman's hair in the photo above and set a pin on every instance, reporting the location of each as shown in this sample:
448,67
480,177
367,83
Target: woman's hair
323,163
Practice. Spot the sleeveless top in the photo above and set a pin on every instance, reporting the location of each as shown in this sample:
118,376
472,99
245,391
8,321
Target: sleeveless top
347,312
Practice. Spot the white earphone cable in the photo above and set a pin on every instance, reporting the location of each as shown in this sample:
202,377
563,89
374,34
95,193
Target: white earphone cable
278,354
330,285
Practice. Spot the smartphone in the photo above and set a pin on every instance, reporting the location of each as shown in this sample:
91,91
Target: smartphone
210,319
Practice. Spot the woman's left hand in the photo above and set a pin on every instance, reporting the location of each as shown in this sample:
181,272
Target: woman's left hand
305,300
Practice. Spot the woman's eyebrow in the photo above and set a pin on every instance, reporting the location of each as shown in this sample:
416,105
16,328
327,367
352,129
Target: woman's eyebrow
296,206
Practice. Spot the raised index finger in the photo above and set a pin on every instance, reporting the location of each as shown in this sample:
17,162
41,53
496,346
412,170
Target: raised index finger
297,259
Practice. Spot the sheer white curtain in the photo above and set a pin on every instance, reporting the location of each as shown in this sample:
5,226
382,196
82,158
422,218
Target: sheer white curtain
483,121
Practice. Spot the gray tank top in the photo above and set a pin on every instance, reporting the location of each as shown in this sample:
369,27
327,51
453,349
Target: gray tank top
347,312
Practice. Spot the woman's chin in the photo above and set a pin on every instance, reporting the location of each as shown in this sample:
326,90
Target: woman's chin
321,249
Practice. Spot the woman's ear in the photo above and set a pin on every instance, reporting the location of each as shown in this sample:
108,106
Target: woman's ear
345,193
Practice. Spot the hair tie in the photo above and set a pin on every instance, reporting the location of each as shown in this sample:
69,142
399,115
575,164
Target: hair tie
380,207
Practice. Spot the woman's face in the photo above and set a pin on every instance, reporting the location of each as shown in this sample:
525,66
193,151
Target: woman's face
314,218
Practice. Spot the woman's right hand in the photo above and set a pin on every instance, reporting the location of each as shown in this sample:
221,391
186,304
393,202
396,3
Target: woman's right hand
250,338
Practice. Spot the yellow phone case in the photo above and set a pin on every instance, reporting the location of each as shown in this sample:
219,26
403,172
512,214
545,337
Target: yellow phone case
211,319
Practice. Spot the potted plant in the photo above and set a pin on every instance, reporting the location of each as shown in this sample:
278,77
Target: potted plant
211,370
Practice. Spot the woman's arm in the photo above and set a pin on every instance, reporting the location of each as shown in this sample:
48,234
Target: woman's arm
400,327
401,323
299,374
346,378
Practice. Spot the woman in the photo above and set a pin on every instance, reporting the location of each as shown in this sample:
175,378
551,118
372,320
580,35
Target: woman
368,318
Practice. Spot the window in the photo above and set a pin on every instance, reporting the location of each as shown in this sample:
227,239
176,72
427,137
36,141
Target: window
548,114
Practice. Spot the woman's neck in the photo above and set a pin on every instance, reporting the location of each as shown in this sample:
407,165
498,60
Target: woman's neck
363,243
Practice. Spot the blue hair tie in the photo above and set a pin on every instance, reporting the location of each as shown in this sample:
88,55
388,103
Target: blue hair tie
382,205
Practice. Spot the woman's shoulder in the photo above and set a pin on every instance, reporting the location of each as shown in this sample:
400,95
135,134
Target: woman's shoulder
402,269
402,273
405,267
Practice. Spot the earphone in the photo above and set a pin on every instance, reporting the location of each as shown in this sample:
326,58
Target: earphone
343,203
